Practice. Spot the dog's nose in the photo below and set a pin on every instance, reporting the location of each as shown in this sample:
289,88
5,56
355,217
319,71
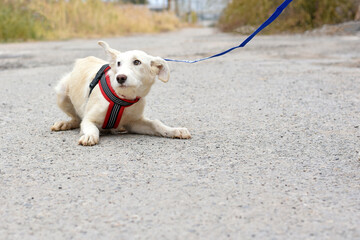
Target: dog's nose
121,78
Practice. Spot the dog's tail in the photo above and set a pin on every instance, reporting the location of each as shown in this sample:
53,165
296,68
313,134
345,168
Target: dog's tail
61,88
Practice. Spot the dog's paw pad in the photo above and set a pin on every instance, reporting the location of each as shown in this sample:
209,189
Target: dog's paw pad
88,140
182,133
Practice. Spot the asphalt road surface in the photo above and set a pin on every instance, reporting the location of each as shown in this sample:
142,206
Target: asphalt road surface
274,152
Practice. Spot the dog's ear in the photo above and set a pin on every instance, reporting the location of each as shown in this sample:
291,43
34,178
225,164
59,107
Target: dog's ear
161,68
111,53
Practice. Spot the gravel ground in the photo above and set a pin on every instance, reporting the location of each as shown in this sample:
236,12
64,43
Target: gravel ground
274,153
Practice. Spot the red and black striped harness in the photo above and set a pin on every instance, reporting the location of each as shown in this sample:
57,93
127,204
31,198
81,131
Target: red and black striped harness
116,105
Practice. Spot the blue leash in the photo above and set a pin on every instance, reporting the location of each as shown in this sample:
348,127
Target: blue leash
277,12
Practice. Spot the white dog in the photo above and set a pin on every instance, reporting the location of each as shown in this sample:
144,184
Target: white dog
116,100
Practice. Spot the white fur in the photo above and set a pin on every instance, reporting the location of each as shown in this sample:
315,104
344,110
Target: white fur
89,112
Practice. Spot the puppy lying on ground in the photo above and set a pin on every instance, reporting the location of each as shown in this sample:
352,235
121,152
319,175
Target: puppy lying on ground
115,99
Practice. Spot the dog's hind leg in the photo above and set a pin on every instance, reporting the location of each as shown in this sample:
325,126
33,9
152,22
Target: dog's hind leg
157,128
66,105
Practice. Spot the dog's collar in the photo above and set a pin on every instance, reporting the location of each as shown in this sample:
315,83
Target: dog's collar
117,105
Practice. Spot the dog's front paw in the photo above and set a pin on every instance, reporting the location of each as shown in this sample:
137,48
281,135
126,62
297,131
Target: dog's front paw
181,133
88,140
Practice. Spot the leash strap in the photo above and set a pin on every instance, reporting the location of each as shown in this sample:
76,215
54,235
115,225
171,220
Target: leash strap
116,105
98,76
277,12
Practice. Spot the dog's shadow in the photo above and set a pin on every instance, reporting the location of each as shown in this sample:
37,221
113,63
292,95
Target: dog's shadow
125,136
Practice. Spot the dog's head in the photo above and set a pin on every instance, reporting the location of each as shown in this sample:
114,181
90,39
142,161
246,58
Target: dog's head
133,72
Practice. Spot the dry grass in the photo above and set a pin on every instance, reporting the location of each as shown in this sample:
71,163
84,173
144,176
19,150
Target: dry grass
51,19
300,15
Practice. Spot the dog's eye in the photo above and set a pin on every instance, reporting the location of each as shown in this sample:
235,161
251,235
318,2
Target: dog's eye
137,62
118,63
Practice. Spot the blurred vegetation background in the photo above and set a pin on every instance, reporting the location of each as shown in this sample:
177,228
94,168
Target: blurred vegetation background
301,15
22,20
